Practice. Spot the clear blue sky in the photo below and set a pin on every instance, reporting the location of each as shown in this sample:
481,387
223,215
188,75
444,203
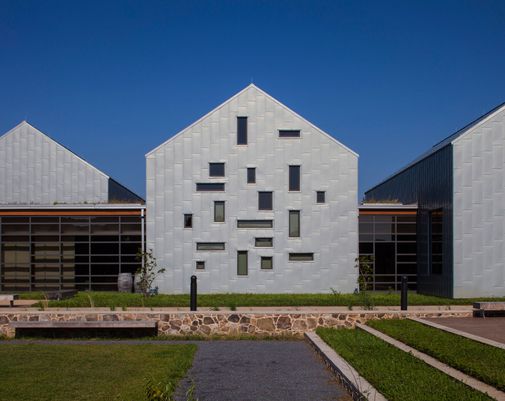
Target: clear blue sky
112,80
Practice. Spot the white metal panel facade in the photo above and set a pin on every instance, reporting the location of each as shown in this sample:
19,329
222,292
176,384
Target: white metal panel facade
479,209
328,230
34,169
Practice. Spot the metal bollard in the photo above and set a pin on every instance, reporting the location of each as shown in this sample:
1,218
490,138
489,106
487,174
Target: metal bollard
404,300
192,302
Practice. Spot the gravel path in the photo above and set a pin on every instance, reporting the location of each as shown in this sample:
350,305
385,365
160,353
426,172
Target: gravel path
260,370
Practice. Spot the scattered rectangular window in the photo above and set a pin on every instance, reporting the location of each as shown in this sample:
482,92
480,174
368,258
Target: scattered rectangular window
289,133
242,263
265,200
255,223
241,130
251,175
188,220
200,265
301,257
321,197
264,242
219,211
216,169
210,246
267,262
294,178
294,223
210,187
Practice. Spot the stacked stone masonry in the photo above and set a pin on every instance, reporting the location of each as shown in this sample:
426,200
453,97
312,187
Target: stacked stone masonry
222,323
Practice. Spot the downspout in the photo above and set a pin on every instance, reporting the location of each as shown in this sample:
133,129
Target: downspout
143,246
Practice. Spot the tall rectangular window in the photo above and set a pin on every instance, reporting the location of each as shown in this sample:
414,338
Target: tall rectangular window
321,197
251,175
188,220
241,130
265,200
294,223
216,169
242,263
219,211
294,178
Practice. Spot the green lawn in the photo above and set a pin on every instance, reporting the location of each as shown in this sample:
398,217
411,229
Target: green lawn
89,372
396,374
481,361
118,300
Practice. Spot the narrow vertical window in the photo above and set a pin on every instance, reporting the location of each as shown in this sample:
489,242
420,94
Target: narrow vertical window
219,211
436,241
251,175
267,262
294,223
188,220
294,178
242,263
265,200
321,197
241,130
200,265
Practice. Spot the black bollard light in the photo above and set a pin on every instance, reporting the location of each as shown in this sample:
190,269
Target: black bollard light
404,300
192,302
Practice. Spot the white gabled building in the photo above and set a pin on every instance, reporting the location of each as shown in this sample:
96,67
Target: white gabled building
253,198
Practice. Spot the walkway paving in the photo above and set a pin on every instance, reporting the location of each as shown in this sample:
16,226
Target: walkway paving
492,328
260,370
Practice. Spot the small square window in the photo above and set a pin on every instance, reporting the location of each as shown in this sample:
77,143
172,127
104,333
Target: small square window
321,197
251,175
200,265
188,221
265,200
267,262
216,169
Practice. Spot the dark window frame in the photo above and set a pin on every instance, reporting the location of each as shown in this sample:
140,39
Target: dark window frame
321,197
209,246
251,175
239,273
242,130
265,240
219,166
293,255
243,224
264,258
210,187
188,220
290,133
200,265
294,233
265,204
295,181
216,203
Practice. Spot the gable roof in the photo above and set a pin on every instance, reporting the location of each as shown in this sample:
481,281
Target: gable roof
250,86
445,142
117,190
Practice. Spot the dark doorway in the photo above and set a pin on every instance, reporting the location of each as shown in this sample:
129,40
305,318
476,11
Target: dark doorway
384,266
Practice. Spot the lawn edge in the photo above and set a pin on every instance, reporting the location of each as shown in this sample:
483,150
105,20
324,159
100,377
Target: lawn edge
357,386
435,363
451,330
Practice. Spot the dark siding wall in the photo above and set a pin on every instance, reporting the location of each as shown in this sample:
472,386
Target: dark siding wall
429,184
121,194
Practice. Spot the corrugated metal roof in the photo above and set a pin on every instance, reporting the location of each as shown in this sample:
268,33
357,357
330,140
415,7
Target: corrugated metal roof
442,144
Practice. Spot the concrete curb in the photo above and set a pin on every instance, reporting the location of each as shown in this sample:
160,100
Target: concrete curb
359,388
454,373
474,337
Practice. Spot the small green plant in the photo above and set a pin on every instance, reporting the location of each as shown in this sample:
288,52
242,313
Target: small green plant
147,272
350,306
232,306
336,295
158,392
214,308
364,264
91,303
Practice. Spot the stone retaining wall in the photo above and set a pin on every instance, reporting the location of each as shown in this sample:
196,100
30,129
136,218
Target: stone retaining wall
222,323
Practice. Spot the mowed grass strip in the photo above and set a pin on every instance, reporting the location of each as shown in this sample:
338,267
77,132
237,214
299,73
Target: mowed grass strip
118,300
484,362
89,372
396,374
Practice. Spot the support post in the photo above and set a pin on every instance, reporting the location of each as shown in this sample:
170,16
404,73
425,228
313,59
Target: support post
192,302
404,300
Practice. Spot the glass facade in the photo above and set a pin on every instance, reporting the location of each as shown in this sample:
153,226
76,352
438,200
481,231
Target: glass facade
83,252
390,243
